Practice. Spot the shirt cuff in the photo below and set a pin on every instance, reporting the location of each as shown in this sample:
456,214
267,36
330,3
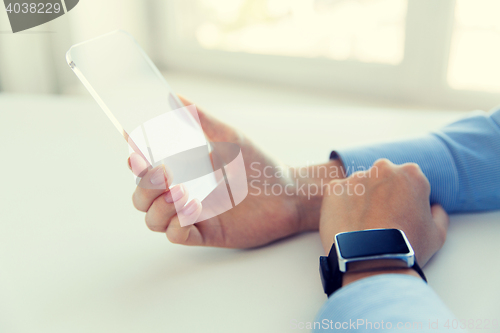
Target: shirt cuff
391,300
429,152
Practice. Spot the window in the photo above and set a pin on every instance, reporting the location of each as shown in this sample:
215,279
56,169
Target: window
475,47
435,53
367,31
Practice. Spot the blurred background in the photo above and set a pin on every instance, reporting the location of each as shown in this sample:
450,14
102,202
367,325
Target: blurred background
429,53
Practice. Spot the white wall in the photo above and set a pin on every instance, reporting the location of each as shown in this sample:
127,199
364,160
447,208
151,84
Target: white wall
33,61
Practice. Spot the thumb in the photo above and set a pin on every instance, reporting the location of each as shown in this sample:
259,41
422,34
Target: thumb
442,221
214,129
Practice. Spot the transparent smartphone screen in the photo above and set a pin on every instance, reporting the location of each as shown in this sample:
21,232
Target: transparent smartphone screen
137,99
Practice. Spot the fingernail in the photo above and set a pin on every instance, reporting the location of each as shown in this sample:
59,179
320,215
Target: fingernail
129,164
137,164
176,193
158,178
191,207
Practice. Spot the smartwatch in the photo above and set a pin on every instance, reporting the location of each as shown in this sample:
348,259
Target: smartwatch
373,248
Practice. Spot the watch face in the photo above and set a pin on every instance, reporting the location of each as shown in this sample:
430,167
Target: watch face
368,243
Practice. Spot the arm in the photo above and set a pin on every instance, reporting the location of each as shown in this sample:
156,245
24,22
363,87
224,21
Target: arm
372,295
278,216
281,201
461,161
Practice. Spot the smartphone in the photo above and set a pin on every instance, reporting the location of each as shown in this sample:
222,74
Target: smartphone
139,102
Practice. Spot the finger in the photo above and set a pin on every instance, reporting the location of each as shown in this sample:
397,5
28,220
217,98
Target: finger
163,209
180,230
137,164
383,163
442,221
189,214
383,169
417,177
189,235
155,182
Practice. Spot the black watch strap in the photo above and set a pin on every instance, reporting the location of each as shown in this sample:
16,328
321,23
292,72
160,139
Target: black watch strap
331,276
417,269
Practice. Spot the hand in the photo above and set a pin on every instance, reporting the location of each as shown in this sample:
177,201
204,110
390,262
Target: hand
260,219
386,196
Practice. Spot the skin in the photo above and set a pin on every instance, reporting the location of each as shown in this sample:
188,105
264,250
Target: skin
258,220
398,197
394,197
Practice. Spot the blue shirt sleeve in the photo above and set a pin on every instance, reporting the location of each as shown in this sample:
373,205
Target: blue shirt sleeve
461,161
386,303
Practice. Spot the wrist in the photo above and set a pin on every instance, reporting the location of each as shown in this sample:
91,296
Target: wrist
350,277
310,181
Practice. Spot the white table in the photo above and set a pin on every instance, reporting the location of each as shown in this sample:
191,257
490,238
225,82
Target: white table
76,257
